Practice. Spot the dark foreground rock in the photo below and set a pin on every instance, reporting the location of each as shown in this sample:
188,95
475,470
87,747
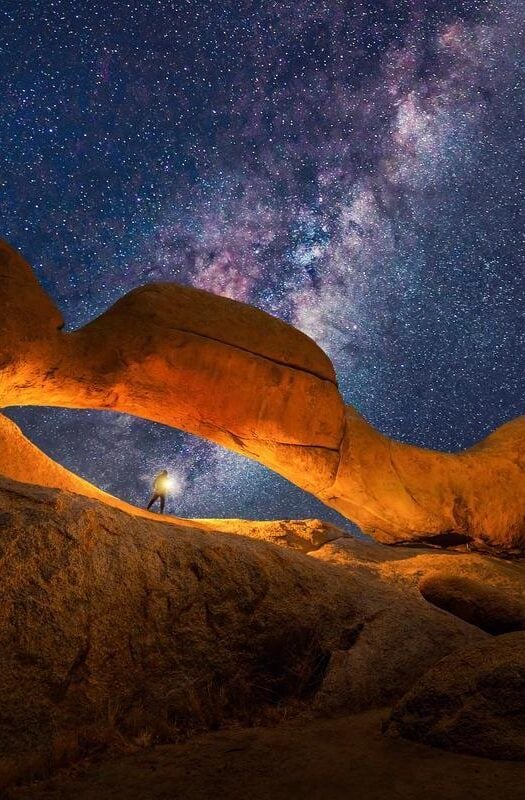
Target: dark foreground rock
345,758
472,701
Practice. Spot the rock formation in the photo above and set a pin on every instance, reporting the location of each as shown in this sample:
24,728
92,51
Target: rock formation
495,610
405,574
112,621
114,624
470,702
241,378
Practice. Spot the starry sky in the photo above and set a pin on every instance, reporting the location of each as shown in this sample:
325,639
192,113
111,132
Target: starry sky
355,168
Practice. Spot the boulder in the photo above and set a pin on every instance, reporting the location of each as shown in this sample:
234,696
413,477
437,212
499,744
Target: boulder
472,701
303,535
488,607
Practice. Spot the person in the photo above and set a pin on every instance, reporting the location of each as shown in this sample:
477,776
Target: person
160,489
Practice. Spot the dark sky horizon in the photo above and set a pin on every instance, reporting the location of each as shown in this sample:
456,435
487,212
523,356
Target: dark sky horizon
356,169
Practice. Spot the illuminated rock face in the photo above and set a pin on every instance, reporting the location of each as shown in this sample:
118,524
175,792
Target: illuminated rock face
22,461
239,377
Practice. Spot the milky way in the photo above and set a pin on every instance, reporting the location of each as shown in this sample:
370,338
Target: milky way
356,169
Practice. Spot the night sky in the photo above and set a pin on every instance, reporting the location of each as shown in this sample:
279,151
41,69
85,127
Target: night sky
355,168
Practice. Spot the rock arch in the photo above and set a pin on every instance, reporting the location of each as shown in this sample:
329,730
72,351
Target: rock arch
235,375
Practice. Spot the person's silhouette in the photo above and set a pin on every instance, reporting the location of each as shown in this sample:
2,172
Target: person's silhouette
160,489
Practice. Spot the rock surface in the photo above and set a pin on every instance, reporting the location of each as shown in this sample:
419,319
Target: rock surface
345,758
112,620
490,608
400,573
22,461
303,535
472,701
239,377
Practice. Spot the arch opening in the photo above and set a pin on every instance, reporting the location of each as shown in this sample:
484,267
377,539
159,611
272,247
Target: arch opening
120,454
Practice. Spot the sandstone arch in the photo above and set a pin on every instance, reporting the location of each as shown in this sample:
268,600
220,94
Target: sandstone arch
239,377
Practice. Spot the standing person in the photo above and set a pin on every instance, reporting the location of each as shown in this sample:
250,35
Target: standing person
160,490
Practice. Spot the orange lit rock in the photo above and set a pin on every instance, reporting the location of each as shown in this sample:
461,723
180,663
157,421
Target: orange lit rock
112,626
397,492
492,599
239,377
22,461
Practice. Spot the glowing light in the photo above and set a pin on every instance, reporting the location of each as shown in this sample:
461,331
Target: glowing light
173,484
